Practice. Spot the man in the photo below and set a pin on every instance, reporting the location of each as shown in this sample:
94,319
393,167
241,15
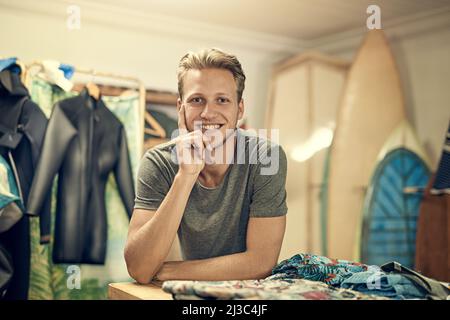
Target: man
230,215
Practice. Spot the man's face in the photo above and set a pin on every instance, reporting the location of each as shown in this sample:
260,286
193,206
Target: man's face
210,96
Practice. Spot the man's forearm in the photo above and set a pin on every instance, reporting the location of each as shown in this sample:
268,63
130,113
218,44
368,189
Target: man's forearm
149,246
238,266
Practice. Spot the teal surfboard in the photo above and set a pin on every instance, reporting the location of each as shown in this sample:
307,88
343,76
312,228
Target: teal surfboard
391,208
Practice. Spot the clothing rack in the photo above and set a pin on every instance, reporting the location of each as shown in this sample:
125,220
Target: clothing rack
106,90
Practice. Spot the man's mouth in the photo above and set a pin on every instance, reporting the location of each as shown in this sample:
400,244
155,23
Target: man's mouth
211,126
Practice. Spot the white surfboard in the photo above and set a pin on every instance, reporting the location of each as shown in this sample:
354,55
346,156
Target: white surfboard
371,108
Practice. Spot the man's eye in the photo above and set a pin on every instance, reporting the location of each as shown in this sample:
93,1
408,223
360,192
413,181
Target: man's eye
196,100
223,100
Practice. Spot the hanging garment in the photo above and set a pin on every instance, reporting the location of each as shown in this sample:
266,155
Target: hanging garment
48,280
11,211
84,142
10,63
441,183
22,128
265,289
11,208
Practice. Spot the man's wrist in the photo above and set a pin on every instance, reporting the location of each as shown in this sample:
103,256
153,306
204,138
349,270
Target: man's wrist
186,177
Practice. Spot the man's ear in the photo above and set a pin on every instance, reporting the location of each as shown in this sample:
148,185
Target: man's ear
178,104
241,109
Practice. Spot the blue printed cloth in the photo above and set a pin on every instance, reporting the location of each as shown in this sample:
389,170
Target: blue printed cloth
367,279
393,286
317,268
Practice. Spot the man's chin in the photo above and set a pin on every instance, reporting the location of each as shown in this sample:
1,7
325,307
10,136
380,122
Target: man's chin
219,136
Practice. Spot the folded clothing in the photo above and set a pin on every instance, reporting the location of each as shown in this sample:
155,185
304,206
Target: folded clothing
394,286
368,279
307,277
318,268
265,289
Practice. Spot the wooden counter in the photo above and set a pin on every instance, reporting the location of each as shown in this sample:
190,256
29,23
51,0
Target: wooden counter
135,291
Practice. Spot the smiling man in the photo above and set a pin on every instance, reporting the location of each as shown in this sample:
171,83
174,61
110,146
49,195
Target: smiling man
208,185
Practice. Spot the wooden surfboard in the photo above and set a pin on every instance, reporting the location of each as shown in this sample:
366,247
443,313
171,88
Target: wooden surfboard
371,108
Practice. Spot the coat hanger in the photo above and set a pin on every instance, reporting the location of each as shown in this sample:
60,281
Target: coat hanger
92,88
156,129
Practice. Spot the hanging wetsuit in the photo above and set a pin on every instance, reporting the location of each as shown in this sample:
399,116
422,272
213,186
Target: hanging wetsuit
22,128
84,142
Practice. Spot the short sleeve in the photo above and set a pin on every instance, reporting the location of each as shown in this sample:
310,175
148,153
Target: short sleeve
268,197
152,183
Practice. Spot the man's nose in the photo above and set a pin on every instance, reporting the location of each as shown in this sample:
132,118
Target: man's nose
207,112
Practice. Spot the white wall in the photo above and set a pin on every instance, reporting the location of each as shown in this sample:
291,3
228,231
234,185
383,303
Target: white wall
128,44
422,53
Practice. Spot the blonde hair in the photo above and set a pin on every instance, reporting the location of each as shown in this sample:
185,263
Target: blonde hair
211,58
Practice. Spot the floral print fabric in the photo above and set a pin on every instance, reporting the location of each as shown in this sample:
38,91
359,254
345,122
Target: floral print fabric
305,277
265,289
318,268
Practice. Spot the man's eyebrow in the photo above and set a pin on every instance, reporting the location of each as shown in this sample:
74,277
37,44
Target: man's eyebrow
194,94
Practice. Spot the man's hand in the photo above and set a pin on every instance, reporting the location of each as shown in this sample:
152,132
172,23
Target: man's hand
190,147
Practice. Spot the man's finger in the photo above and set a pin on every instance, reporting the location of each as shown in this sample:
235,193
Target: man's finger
207,142
181,118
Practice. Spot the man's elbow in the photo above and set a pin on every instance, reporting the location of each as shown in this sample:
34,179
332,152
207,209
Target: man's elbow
141,275
266,270
264,266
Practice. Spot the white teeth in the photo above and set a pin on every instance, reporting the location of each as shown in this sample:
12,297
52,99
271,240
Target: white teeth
211,126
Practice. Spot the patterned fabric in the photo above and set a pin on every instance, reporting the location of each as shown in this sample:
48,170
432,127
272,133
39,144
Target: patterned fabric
48,280
9,194
305,277
380,283
366,279
266,289
317,268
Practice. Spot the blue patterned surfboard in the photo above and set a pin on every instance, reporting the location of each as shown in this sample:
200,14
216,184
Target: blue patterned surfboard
391,209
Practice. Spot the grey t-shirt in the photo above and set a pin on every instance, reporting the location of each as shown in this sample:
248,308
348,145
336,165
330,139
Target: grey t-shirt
215,220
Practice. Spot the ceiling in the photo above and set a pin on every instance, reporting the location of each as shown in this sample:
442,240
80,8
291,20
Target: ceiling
297,19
